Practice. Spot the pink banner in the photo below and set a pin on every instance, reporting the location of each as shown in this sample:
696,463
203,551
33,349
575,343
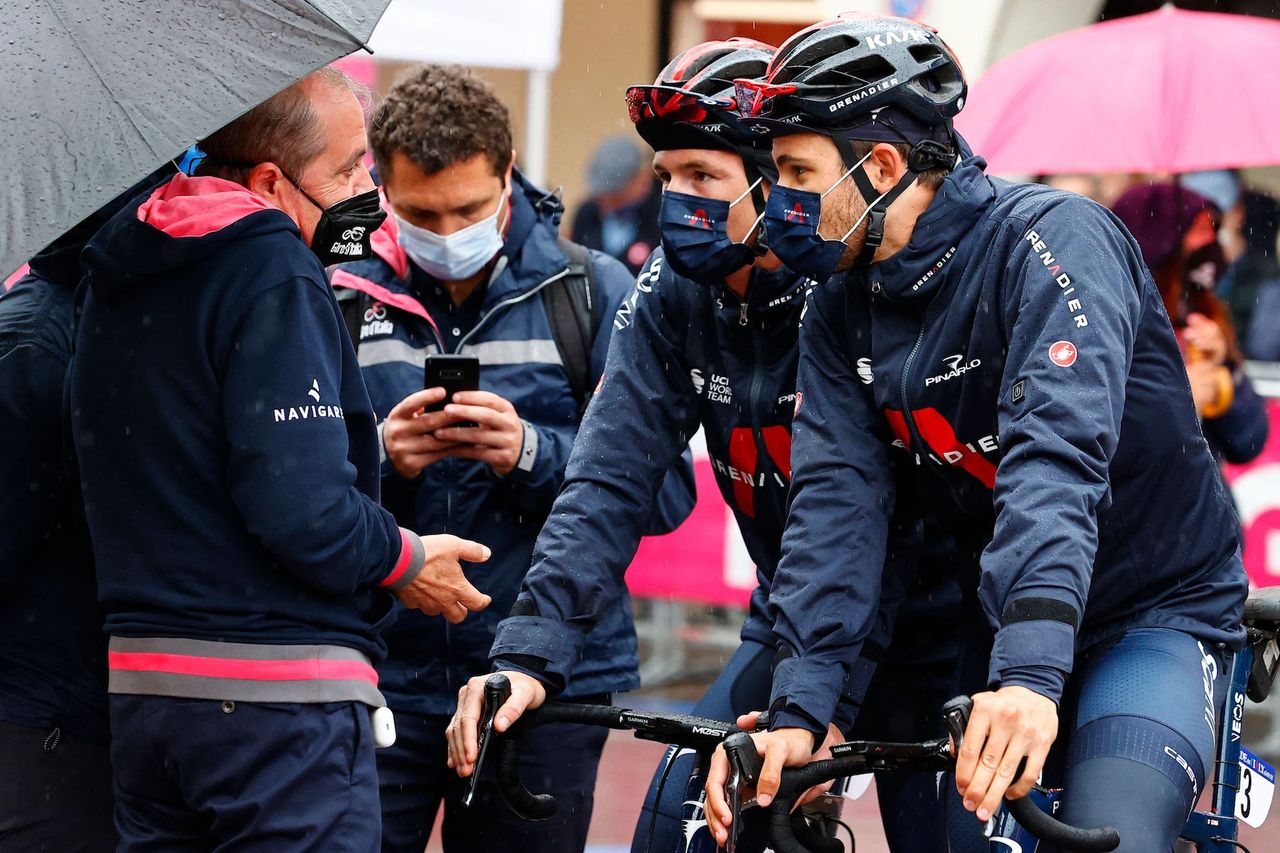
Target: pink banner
1257,491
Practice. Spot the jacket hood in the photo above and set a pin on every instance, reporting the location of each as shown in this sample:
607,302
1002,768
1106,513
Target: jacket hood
59,262
179,223
913,274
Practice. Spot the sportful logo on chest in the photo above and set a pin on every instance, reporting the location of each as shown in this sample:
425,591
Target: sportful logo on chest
1063,280
308,411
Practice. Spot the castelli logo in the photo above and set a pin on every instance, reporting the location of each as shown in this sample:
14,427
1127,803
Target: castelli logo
1063,353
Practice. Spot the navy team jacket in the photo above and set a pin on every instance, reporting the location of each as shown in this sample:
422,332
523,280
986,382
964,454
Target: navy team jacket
1017,355
229,458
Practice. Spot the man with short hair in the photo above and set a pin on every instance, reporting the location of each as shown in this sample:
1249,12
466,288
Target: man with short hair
229,466
471,263
998,354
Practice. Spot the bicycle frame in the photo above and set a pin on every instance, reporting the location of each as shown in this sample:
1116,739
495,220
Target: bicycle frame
1218,830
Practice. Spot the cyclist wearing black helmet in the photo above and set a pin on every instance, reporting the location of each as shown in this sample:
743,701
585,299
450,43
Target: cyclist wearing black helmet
1006,342
708,339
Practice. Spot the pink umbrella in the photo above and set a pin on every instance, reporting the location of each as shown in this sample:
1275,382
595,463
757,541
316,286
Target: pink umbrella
1168,91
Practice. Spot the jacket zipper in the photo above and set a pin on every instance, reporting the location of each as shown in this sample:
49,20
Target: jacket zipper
906,405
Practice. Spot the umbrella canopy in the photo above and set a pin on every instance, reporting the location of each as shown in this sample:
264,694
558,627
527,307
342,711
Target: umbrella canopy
1168,91
98,94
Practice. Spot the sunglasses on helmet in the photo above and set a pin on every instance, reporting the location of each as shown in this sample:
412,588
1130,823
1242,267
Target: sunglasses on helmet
669,103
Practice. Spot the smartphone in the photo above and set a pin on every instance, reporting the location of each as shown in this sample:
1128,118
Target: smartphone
453,373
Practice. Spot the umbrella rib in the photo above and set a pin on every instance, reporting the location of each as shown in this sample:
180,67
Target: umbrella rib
96,73
345,31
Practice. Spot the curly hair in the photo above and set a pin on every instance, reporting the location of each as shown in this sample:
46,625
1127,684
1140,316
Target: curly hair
437,115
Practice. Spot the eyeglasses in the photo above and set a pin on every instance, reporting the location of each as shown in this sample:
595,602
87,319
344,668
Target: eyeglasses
670,103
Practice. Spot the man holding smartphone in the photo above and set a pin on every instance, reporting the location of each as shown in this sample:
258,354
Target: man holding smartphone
470,265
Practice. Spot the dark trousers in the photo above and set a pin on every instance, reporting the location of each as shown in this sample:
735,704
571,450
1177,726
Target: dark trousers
201,775
556,759
55,792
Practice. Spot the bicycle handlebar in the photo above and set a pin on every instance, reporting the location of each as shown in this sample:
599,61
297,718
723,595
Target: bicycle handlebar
852,758
704,735
698,733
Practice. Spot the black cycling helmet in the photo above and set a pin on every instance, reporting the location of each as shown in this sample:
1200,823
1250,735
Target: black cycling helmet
879,78
863,77
691,104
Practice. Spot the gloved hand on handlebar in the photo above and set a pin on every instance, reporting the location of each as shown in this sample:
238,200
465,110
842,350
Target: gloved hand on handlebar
526,693
780,748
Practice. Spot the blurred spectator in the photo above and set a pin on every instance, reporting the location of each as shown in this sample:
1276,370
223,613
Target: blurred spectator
1251,286
1102,187
621,217
1177,230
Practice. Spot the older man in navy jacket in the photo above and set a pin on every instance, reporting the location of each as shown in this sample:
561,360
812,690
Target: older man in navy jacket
229,463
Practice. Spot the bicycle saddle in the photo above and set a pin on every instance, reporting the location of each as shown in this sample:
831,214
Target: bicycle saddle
1262,608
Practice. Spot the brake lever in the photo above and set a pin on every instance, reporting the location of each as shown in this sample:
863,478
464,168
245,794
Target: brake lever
745,764
497,690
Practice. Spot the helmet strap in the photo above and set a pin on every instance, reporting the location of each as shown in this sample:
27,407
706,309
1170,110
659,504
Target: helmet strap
756,181
877,202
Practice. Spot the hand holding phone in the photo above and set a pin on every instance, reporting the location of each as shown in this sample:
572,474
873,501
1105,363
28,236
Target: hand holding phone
453,373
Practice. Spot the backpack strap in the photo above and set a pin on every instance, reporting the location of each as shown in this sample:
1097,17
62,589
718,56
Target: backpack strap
574,309
352,304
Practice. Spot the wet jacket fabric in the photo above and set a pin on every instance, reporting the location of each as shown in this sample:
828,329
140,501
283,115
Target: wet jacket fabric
504,323
53,655
1017,355
229,458
684,355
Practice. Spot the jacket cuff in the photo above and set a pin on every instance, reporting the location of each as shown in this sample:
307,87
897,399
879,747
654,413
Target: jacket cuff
537,637
809,687
410,562
788,717
528,450
1043,647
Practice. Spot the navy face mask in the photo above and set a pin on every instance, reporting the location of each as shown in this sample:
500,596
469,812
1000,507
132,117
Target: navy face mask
791,219
695,236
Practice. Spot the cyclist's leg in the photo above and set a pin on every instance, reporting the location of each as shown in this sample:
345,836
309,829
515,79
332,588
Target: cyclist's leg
1142,735
672,820
560,759
920,811
412,779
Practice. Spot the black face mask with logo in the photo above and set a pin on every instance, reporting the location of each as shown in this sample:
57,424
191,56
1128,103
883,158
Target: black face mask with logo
344,230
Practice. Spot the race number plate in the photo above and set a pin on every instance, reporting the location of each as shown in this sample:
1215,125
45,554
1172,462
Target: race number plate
1257,787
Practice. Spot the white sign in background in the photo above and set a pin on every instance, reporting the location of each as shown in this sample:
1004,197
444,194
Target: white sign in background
487,33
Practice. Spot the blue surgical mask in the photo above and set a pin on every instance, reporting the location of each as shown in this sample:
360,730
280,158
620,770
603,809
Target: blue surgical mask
456,256
791,219
695,236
